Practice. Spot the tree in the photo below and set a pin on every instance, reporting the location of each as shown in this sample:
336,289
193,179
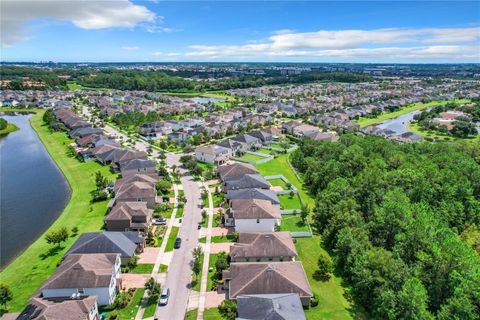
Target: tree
153,289
100,181
133,262
221,264
5,295
325,266
57,236
412,301
163,186
228,309
305,212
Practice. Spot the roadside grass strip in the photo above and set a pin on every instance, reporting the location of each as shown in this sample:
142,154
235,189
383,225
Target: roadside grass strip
171,239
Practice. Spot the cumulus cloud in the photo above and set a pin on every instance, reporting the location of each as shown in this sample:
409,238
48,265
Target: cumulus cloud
387,44
85,14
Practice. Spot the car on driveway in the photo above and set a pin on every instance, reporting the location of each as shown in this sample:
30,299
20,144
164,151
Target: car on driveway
164,297
178,243
159,221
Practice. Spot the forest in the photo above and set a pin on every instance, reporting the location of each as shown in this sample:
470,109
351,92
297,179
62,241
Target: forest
401,221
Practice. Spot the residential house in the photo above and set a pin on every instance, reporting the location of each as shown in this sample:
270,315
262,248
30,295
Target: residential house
95,274
246,181
261,194
264,136
253,215
138,166
137,191
248,141
123,156
129,216
212,154
125,181
81,308
324,136
126,244
288,126
235,170
263,247
236,148
84,131
282,306
267,278
304,130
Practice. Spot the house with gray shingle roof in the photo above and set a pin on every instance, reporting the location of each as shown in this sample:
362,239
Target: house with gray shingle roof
263,247
247,181
283,306
253,215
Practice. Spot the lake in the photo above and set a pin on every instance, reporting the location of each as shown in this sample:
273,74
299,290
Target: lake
398,124
33,191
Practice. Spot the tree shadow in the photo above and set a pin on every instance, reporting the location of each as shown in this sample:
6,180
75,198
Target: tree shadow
51,252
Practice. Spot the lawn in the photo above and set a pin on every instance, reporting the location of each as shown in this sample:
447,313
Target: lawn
219,239
180,211
289,203
39,260
150,310
9,128
142,268
280,165
217,199
211,265
279,183
332,302
212,314
163,268
192,315
251,157
293,223
364,122
264,151
435,135
276,146
130,311
196,283
171,239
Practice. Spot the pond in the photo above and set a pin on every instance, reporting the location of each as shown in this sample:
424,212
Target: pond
33,191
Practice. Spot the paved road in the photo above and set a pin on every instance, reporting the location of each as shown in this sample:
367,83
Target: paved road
179,274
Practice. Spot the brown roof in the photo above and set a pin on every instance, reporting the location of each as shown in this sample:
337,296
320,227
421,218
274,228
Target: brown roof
236,169
254,209
40,309
103,148
87,139
137,189
83,271
127,210
275,244
210,149
125,155
150,179
267,278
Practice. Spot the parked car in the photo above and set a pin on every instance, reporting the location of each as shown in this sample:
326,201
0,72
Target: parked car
164,297
159,221
177,244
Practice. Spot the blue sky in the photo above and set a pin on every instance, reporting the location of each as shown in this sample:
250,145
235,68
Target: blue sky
310,31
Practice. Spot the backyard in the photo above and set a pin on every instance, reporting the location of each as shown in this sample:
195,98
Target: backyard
40,259
293,223
278,183
251,157
129,311
289,202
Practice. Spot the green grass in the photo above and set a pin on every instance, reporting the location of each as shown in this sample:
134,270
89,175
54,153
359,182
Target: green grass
364,122
39,260
279,165
251,157
276,146
432,134
171,239
205,166
211,265
196,283
143,268
332,301
191,315
212,314
293,223
279,183
180,211
150,310
289,203
9,128
264,151
163,268
219,239
217,199
130,311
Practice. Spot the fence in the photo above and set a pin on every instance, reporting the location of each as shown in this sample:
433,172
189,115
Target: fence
262,155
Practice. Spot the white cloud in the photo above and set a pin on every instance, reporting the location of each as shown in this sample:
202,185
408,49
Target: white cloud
155,29
85,14
395,44
128,48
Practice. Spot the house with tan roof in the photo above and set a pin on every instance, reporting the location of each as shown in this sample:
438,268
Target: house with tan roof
253,215
85,275
82,308
212,154
137,191
304,130
267,278
151,179
263,247
235,170
129,216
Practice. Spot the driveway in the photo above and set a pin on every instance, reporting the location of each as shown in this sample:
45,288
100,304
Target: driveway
179,271
132,280
149,255
219,247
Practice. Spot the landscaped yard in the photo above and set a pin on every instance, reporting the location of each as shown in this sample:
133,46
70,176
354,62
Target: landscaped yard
217,199
293,223
163,268
142,268
211,265
279,183
364,122
251,157
192,315
219,239
276,146
130,311
40,259
150,310
212,314
264,151
171,239
288,202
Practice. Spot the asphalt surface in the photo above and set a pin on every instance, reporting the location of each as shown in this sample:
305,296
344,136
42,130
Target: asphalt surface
179,274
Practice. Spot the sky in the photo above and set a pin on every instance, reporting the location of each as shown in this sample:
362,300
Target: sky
240,31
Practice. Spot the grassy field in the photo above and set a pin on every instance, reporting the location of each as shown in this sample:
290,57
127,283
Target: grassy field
130,311
9,128
251,157
293,223
332,302
171,239
143,268
289,203
364,122
264,151
212,314
40,259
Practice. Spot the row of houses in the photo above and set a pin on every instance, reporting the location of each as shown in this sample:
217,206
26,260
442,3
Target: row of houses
264,277
90,272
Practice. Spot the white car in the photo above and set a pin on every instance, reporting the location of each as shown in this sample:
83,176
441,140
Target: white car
164,297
